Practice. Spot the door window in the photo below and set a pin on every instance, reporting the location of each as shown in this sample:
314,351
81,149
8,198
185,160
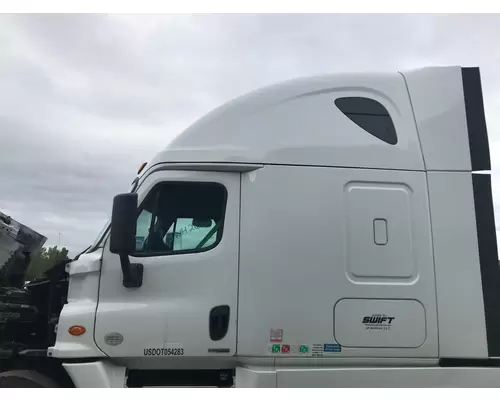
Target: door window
181,217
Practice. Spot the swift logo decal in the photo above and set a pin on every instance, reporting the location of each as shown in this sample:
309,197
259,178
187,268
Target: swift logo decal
378,322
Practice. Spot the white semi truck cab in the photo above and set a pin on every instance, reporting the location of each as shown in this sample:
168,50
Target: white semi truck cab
327,231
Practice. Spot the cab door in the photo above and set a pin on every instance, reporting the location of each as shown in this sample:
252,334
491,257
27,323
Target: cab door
187,240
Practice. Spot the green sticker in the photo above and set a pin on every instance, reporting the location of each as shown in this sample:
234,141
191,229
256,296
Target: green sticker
304,349
276,348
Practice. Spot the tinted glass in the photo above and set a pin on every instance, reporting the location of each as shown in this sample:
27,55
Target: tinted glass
181,217
370,115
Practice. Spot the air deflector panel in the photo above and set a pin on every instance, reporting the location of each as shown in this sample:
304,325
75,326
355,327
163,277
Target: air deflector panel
488,257
476,121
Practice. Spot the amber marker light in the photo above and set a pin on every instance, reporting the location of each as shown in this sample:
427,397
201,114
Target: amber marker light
141,168
76,330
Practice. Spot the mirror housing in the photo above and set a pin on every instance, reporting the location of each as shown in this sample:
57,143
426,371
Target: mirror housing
122,240
123,224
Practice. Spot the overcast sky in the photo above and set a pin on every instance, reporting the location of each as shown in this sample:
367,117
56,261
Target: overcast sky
84,99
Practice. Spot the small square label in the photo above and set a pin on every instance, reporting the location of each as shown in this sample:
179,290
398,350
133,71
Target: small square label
285,348
276,335
317,350
304,349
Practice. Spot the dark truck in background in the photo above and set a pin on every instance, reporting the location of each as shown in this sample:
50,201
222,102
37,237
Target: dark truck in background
28,310
18,243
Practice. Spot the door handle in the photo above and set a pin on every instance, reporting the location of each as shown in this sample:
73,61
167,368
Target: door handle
219,322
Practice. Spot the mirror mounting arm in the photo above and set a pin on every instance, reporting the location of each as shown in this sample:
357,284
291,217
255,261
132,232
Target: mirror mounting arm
132,273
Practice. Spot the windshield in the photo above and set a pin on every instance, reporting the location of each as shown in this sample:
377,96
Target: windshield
100,236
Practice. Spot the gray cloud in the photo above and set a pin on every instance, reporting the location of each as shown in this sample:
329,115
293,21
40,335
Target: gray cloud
84,99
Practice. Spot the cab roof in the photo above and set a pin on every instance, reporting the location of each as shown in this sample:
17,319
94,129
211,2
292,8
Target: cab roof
409,120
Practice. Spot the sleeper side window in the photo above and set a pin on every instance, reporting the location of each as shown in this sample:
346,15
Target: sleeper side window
369,115
181,217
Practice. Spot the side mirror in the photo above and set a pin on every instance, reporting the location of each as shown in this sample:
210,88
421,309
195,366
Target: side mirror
123,224
122,240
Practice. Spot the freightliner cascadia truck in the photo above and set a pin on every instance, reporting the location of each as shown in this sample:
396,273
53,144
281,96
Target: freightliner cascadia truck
325,231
